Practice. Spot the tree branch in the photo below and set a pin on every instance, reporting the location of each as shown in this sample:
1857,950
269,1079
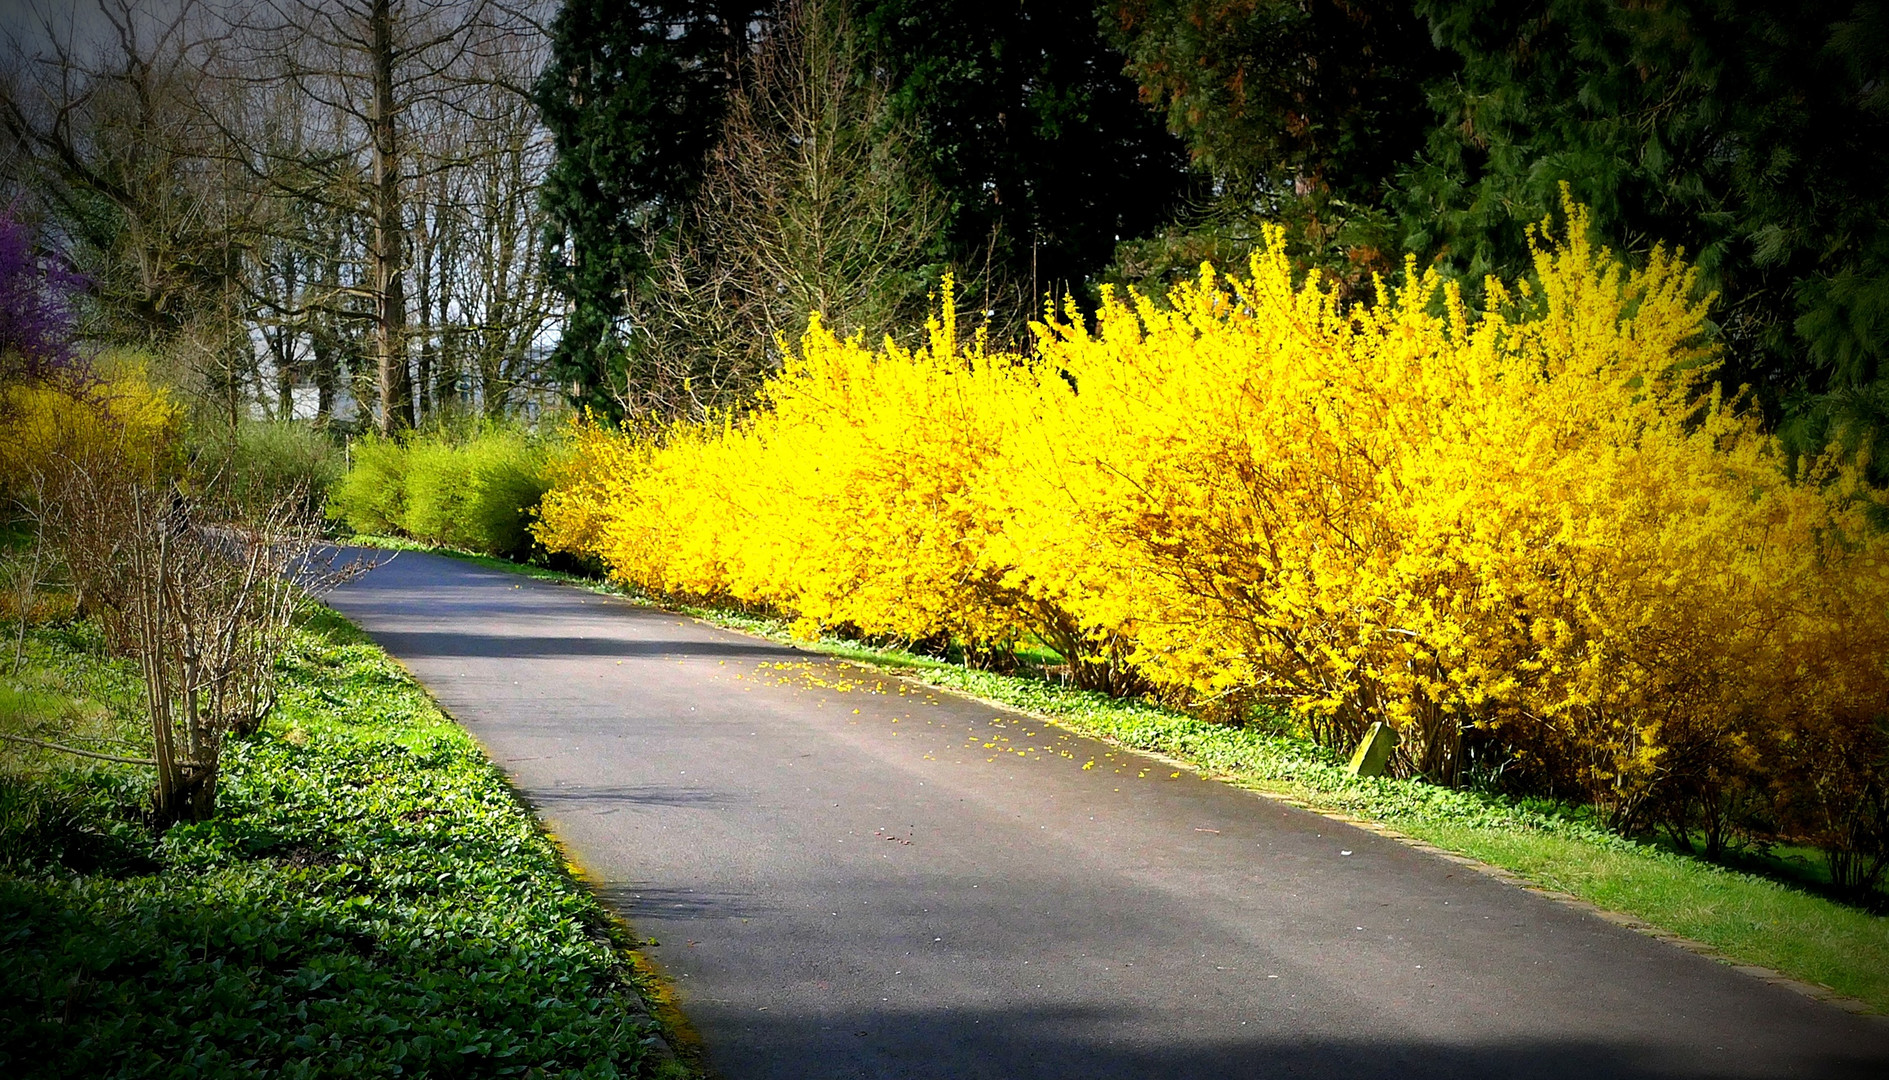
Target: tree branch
44,745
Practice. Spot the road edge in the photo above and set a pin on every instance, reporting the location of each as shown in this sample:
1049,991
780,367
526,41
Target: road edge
678,1052
1815,991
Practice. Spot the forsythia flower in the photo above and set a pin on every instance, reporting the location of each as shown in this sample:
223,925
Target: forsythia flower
1537,528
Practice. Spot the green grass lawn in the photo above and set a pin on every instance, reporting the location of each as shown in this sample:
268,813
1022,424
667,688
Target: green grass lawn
372,899
1750,919
1746,918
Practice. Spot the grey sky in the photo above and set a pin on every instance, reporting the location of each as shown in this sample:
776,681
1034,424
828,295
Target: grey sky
33,22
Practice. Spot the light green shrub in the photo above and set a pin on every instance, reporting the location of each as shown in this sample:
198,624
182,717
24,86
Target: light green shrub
478,489
438,475
372,496
265,460
508,478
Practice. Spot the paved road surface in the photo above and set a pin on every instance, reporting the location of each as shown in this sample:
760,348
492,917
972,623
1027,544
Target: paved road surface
853,877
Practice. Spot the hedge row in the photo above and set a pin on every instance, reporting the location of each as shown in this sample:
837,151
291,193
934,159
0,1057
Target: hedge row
1533,539
477,491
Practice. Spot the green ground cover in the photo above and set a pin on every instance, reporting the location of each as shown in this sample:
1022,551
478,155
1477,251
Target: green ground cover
371,900
1747,918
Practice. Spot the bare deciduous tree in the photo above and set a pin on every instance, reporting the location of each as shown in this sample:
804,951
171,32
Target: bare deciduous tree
485,303
109,150
296,191
810,204
372,65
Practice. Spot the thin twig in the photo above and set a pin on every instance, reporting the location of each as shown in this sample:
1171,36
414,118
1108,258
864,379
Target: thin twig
43,744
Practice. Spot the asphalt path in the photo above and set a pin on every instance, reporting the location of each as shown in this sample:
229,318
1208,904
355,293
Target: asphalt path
853,876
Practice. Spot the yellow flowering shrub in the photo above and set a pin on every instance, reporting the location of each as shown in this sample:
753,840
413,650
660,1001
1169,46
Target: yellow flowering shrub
590,477
1532,537
844,498
1537,522
123,413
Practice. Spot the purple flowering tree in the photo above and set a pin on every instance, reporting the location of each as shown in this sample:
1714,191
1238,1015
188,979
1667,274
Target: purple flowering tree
36,316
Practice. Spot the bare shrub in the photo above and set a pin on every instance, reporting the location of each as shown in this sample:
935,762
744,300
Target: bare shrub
201,591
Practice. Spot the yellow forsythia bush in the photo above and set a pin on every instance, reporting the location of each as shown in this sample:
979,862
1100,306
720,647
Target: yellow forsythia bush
1531,537
122,413
845,498
1536,526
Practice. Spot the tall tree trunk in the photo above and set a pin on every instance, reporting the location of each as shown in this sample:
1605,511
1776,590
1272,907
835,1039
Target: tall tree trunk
327,375
282,342
446,367
396,384
446,362
424,398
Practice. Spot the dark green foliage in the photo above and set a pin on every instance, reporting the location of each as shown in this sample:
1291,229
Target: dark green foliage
1302,113
1025,122
1855,419
632,96
86,823
1754,134
372,901
1276,95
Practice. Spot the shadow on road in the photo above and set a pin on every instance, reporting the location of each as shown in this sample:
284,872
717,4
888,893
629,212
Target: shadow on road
598,797
632,900
427,644
1061,1044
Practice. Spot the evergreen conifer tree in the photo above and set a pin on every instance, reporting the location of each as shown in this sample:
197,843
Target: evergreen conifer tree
1753,134
633,96
1026,123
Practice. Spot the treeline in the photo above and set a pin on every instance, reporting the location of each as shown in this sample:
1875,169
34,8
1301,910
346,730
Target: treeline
725,167
319,211
392,208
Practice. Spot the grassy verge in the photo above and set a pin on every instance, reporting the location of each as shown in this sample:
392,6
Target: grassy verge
372,900
1747,918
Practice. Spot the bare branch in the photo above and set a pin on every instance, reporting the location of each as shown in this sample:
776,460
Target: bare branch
44,745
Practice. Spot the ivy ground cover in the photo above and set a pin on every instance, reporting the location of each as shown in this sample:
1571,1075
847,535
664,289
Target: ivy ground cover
373,901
